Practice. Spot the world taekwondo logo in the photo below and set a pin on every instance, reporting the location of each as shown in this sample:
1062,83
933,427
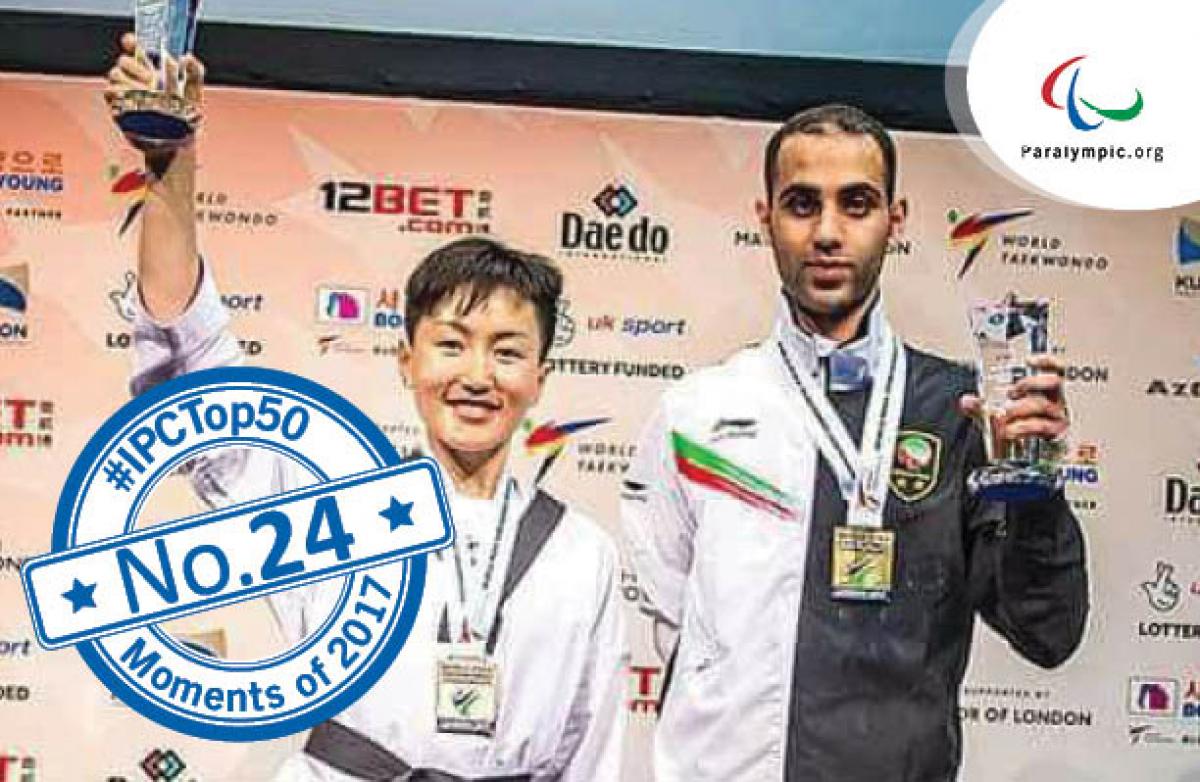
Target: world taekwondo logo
972,231
550,439
133,185
1073,100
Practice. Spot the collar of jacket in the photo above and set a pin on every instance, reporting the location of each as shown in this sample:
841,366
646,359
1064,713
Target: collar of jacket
810,348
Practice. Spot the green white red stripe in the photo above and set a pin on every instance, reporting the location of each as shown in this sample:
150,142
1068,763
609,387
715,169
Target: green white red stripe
708,468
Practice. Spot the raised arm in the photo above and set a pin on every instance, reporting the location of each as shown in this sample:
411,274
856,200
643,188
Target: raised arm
168,266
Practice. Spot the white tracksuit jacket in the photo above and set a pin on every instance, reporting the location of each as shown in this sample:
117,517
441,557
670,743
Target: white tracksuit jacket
561,648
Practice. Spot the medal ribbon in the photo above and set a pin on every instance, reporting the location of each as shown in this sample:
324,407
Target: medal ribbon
470,617
862,472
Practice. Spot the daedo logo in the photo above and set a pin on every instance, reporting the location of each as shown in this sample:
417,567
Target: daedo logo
615,201
617,236
1073,100
163,765
971,232
1181,500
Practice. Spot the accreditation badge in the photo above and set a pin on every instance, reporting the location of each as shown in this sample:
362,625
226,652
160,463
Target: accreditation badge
862,564
467,684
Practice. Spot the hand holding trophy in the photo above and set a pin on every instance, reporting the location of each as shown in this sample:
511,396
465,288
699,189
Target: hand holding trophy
1020,400
154,88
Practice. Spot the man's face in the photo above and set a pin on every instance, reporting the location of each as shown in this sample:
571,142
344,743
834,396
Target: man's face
829,220
475,376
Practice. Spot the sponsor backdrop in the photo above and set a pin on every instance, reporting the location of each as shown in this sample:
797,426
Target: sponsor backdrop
312,211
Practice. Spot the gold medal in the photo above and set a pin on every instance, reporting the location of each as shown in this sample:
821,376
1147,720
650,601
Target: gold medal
862,563
467,684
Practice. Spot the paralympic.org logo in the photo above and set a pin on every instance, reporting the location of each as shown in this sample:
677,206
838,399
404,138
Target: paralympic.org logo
1073,99
1092,117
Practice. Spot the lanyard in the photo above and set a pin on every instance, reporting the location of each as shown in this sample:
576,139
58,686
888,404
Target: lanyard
862,473
470,617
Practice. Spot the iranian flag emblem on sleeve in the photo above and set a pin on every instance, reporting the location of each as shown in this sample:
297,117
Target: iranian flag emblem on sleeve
709,469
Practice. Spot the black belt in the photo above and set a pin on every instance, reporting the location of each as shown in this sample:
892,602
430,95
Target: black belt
352,753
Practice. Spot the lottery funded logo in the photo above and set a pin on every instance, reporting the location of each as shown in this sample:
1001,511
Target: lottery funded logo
353,540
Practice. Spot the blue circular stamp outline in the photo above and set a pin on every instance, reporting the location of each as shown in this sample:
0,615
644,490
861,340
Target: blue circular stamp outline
409,592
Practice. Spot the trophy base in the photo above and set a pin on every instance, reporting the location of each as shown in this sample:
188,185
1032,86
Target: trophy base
1007,482
156,121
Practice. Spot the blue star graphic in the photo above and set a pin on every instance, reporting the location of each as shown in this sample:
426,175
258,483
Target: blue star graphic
398,514
81,596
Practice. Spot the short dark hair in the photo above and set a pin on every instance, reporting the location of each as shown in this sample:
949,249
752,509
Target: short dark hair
476,267
833,118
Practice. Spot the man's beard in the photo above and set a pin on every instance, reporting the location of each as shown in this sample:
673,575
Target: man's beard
863,292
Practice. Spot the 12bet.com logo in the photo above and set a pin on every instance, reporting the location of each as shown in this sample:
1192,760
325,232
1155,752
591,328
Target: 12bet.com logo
431,209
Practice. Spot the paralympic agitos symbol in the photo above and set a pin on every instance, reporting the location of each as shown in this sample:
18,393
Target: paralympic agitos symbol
1072,105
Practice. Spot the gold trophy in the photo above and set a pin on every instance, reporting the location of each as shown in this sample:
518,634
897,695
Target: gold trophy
162,119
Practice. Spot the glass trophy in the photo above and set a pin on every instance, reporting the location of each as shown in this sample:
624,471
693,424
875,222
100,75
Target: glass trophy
1006,335
161,119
